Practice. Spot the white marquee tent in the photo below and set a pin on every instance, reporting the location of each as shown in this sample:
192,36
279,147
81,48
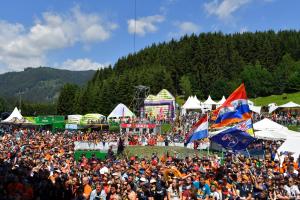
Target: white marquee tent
197,100
267,124
270,130
250,103
191,103
271,135
14,115
291,144
120,111
287,105
209,101
255,109
207,105
222,100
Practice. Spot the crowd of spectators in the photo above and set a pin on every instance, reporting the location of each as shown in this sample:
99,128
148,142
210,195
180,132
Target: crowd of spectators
41,165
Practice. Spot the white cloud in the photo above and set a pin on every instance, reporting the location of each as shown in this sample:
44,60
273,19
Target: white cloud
82,64
144,24
223,9
188,27
22,47
243,29
184,28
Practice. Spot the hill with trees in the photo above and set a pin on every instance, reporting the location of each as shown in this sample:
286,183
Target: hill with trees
209,63
40,84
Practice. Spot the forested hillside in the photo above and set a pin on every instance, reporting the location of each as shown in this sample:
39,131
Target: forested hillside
209,63
40,84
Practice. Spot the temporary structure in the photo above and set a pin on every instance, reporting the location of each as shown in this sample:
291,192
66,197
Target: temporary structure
120,111
289,105
291,144
191,104
16,118
222,100
162,104
92,118
197,100
255,109
209,101
207,105
250,103
74,119
15,115
271,135
267,124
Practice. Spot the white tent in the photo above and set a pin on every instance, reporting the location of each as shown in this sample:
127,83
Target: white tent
207,105
209,101
14,115
287,105
255,109
222,100
250,103
191,104
291,144
197,100
290,105
271,135
120,111
267,124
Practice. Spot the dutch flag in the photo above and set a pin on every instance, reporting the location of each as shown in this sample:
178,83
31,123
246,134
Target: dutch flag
199,130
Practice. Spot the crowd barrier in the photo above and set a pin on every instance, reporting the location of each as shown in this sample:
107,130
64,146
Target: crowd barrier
94,146
100,146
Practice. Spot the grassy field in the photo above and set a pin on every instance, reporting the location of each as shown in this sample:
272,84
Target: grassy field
147,151
278,99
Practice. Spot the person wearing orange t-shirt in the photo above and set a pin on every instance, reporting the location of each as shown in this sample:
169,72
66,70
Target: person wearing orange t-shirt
87,189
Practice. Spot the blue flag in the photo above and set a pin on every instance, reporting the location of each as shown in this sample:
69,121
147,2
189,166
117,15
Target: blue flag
236,138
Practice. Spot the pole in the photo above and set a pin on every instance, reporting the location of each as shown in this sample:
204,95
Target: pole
248,152
222,158
134,35
20,101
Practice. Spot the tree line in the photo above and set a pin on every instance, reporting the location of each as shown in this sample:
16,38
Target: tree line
205,64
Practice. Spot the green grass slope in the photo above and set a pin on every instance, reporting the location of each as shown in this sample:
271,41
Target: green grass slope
278,99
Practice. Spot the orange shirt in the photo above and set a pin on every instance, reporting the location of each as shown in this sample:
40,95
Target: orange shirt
87,190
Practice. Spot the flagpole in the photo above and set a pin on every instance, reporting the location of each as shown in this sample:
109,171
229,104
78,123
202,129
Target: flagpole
207,132
248,152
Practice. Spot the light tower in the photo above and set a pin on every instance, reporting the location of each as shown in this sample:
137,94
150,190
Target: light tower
141,93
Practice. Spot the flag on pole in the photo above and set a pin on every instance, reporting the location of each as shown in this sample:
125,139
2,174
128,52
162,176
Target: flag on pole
199,130
234,109
236,138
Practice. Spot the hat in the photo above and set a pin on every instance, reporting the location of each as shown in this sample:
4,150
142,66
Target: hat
57,170
152,180
143,179
115,174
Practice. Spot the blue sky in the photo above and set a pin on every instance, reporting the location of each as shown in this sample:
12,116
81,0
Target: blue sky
90,34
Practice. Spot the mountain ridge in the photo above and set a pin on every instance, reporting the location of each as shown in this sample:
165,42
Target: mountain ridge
40,84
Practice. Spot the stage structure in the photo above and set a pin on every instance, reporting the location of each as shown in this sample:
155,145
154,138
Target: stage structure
161,106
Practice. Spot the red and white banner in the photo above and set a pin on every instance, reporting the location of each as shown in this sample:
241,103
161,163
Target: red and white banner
138,125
